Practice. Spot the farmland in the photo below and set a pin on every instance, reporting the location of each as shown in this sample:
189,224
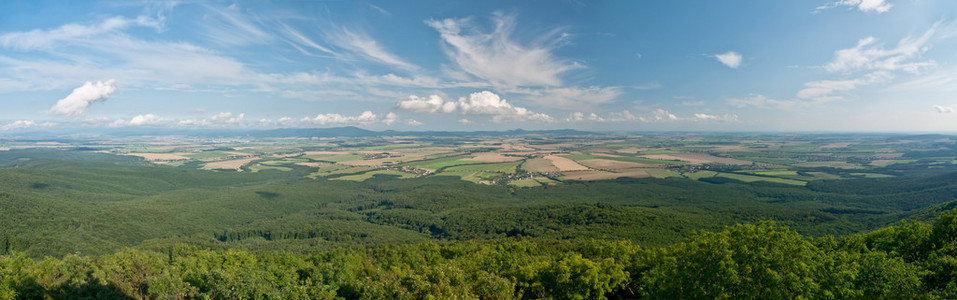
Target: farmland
515,160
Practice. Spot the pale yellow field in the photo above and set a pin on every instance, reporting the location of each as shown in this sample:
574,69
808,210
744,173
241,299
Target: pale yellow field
881,162
235,164
539,165
565,164
600,176
607,164
159,156
312,164
698,158
493,157
604,154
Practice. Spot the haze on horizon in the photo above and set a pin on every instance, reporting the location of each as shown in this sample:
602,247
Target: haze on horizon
838,65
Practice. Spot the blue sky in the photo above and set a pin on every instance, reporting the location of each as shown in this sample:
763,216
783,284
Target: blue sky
839,65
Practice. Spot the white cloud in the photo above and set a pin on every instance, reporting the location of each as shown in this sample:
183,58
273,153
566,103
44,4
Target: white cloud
19,124
220,119
730,59
707,117
413,123
465,121
760,101
367,47
498,58
867,6
390,118
657,115
80,99
365,118
140,120
483,103
943,109
226,117
867,55
430,104
572,97
661,115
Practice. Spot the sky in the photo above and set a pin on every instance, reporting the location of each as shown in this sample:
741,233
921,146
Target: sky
827,65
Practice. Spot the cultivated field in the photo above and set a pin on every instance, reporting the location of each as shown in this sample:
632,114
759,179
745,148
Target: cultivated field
698,158
565,164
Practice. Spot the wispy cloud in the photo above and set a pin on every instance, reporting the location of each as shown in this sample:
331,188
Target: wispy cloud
572,97
868,55
497,57
867,6
943,109
365,46
730,59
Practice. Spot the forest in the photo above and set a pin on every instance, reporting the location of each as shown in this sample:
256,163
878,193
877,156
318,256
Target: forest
910,260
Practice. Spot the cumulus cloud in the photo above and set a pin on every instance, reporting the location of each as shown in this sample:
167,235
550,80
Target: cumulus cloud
730,59
390,118
23,124
365,118
140,120
465,121
943,109
867,6
220,119
80,99
498,58
707,117
430,104
227,117
657,115
484,103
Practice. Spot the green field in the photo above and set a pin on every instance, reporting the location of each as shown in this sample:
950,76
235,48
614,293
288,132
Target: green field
370,174
749,178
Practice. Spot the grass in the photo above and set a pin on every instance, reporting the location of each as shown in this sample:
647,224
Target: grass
480,172
525,183
700,174
829,164
259,167
872,175
776,173
750,178
508,167
367,175
209,155
336,169
627,159
658,173
444,162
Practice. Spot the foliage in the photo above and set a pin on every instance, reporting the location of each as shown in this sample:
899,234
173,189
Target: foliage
762,260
